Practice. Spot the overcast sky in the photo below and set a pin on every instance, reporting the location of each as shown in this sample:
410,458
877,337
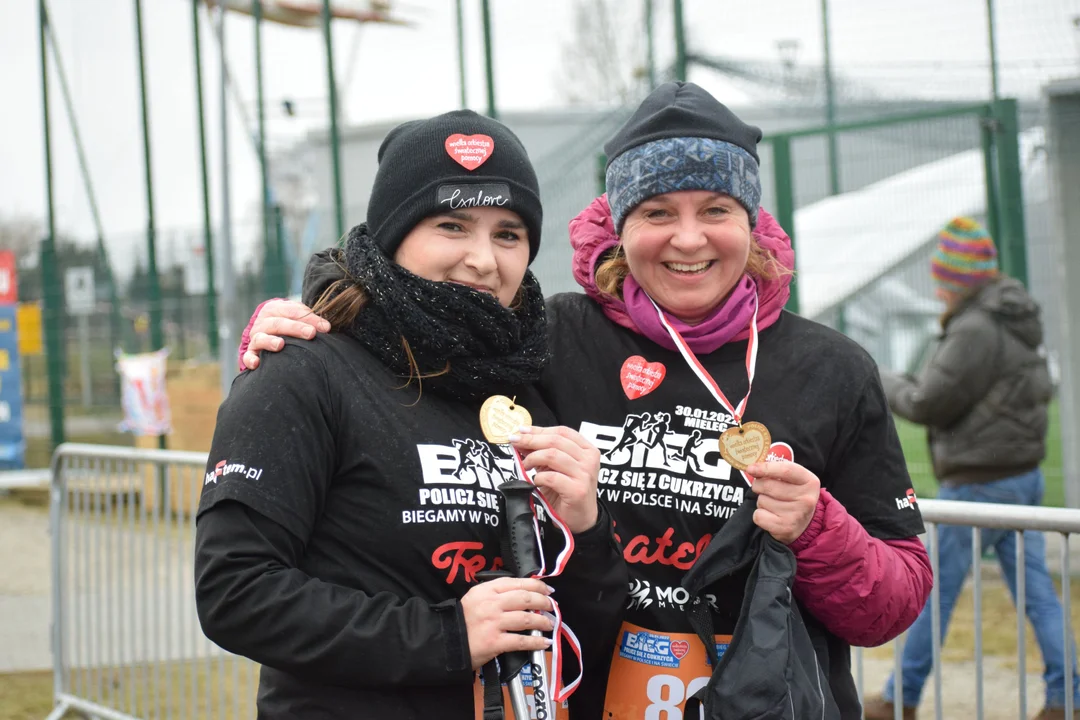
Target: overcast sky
921,47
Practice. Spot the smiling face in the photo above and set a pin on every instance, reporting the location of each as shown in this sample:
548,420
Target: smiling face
687,250
486,249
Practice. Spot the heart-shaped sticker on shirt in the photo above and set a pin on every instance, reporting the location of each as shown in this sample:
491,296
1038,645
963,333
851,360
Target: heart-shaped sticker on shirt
640,377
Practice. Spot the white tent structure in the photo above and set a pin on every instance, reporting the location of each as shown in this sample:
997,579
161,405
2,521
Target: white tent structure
847,242
862,256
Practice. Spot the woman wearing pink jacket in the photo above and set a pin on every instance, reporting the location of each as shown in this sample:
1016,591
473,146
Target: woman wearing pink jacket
681,365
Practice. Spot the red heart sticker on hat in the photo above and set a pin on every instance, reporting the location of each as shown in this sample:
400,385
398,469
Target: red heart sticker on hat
679,648
469,151
640,377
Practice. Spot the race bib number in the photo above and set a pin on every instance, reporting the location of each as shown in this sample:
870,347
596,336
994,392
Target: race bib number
653,673
561,711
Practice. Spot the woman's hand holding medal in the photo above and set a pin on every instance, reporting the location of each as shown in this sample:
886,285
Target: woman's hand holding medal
787,498
567,467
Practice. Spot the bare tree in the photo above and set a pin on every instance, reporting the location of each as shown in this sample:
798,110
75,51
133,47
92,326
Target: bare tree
21,235
603,62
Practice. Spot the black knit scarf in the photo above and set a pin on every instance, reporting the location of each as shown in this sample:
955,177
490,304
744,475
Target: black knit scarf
490,349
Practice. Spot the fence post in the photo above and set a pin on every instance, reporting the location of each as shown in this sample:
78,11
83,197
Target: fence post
650,43
830,104
489,66
274,271
680,41
1013,241
271,258
462,87
212,329
987,130
335,139
157,335
53,299
785,202
157,329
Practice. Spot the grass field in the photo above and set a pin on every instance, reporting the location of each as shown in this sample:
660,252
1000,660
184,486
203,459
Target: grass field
220,688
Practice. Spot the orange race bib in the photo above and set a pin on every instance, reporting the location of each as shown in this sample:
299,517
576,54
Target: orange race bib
561,711
653,673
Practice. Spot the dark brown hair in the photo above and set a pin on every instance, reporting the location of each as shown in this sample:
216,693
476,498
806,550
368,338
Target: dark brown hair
342,302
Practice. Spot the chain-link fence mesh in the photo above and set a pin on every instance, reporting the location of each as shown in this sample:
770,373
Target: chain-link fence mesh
862,253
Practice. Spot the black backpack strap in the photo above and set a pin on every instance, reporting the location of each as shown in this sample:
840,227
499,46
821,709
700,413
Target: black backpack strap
701,620
493,696
695,706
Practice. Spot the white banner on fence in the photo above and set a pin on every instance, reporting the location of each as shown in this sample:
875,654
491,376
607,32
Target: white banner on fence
145,402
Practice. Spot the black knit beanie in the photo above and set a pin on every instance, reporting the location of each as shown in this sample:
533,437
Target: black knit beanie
454,161
682,138
682,109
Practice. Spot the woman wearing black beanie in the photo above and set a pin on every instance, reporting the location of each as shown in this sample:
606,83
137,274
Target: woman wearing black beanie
351,498
750,460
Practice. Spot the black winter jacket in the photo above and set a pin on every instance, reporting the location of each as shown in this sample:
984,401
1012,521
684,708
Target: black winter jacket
984,394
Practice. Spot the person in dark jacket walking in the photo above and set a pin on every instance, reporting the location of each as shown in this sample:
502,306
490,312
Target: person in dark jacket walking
351,499
983,398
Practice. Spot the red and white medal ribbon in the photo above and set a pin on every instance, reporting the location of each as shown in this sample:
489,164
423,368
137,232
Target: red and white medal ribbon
703,374
561,631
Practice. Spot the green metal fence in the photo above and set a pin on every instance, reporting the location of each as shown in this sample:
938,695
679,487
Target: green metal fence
863,255
856,182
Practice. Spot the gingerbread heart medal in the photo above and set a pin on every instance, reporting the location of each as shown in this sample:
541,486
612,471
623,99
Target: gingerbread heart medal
500,416
743,445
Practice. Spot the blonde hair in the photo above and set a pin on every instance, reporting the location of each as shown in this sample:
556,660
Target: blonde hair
613,269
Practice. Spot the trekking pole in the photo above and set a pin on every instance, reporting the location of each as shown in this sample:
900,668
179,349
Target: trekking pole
521,558
509,670
525,553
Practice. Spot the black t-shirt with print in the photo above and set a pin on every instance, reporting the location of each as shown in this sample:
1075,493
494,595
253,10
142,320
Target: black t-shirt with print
663,478
391,508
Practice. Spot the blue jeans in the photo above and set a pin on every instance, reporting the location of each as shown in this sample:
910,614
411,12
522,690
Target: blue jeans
1043,608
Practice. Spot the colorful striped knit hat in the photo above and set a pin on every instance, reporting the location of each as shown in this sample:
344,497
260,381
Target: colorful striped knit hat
965,255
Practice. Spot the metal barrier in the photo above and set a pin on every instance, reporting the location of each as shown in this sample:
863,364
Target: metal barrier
980,516
126,640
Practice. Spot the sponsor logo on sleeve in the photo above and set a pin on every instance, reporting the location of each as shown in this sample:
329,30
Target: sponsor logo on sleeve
225,468
908,501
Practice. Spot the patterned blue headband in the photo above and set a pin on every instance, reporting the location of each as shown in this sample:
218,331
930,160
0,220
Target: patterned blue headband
687,163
